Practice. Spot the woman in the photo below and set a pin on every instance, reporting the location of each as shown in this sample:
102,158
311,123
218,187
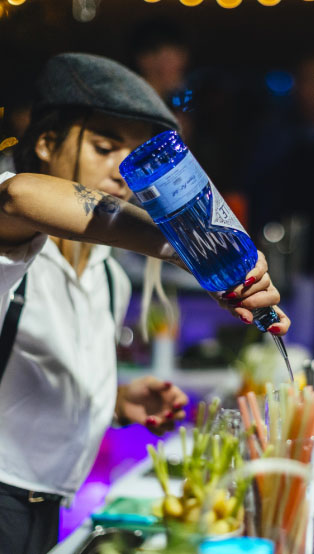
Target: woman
58,391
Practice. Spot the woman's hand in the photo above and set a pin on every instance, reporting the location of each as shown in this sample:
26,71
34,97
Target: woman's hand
151,402
257,291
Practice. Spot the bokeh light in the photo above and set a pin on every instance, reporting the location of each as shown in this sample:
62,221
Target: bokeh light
279,83
269,2
229,3
151,1
16,2
191,2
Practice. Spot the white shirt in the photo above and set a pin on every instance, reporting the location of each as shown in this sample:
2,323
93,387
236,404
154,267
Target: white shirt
15,262
58,391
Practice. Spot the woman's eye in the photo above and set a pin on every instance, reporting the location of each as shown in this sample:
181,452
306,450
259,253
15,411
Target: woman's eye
102,150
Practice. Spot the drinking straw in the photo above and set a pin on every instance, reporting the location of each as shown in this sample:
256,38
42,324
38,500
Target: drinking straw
297,487
301,429
286,499
273,414
245,414
291,426
257,418
297,533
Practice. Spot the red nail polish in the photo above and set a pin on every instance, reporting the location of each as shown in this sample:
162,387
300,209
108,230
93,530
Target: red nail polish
177,406
151,421
245,320
249,281
238,305
169,415
230,295
167,384
274,329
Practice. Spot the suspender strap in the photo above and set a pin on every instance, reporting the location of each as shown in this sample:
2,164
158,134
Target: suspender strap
110,286
10,325
14,312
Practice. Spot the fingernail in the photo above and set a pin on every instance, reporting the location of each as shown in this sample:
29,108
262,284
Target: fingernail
245,320
177,406
151,421
274,329
167,384
230,295
249,281
237,305
169,415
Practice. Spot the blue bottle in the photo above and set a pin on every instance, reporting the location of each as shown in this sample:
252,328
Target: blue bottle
187,207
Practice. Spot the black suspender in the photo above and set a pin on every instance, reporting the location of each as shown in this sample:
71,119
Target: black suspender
110,286
10,325
11,320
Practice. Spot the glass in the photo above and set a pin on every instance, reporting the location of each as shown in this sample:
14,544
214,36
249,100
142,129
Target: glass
281,494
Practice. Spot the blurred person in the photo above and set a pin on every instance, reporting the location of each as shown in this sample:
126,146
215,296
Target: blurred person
279,171
160,52
218,130
278,178
58,389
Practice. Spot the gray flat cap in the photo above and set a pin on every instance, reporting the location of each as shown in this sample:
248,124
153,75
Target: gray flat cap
85,80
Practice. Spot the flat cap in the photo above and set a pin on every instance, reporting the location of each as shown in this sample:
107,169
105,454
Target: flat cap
96,82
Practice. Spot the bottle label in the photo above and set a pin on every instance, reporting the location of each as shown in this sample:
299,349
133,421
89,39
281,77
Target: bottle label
222,215
174,189
180,185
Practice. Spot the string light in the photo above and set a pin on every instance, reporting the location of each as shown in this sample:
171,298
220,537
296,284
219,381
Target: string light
229,3
269,2
16,2
191,2
222,3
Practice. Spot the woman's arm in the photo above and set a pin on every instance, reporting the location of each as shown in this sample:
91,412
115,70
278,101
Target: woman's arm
32,203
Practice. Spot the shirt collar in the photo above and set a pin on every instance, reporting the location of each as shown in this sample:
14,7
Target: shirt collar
98,254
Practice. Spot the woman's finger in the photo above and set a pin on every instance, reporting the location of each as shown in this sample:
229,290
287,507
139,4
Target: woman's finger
261,299
244,292
282,326
258,271
279,328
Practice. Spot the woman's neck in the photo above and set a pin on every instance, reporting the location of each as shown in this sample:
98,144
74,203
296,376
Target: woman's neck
76,253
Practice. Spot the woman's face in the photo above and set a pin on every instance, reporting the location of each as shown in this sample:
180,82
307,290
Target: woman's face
105,142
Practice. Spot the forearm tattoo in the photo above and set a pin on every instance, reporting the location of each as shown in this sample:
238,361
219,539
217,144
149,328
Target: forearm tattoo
96,202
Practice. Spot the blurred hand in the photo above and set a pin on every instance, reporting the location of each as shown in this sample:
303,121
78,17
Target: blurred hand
151,402
256,292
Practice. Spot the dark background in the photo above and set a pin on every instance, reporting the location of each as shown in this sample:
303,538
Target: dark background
250,34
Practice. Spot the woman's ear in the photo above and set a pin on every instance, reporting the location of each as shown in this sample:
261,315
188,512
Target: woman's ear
45,145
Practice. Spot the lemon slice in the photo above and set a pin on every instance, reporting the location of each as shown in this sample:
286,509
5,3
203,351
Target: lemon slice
229,3
191,2
269,2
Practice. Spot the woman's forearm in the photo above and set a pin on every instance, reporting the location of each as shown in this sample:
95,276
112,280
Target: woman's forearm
32,203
